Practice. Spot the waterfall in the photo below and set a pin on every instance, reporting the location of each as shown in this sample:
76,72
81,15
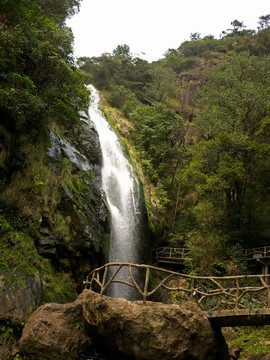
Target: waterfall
123,193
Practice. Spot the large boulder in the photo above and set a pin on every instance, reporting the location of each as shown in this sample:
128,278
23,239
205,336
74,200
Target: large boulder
55,330
120,329
132,330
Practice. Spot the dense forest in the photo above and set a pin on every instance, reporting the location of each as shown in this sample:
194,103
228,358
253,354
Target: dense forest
198,121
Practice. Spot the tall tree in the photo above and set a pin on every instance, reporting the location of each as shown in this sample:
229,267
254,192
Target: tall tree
264,22
224,169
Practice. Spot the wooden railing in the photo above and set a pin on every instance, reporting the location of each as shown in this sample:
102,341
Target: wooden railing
210,293
171,253
257,253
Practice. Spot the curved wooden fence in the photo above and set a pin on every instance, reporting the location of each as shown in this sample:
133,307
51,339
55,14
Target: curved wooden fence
210,293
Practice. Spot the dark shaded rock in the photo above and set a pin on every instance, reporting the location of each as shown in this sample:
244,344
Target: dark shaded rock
86,139
21,294
54,152
132,330
46,243
74,156
45,231
7,349
55,330
234,351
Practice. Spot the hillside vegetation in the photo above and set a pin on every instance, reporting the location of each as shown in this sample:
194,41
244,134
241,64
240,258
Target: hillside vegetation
43,201
197,120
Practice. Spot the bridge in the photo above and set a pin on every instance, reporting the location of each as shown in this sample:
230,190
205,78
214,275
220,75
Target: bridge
169,255
255,257
227,301
259,255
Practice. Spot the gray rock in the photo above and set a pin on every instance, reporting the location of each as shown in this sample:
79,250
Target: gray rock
21,294
46,246
54,152
86,140
229,333
74,156
46,242
45,231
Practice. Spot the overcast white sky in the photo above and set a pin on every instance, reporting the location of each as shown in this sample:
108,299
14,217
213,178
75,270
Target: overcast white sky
154,26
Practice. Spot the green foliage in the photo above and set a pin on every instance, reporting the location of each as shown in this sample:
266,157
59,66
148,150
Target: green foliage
163,83
118,96
224,168
155,125
39,82
118,69
236,95
205,253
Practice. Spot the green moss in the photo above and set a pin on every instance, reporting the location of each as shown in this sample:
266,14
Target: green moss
18,252
149,337
253,340
120,138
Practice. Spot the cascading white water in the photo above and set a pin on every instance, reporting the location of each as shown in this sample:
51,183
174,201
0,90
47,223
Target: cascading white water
122,189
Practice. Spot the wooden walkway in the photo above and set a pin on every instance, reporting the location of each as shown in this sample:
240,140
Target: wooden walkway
259,256
168,255
227,301
258,253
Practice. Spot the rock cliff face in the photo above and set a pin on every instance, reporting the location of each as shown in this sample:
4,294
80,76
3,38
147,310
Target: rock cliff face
120,329
19,296
46,253
82,199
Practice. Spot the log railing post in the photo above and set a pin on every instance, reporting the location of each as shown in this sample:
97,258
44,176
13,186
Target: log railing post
146,283
192,289
268,297
237,294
